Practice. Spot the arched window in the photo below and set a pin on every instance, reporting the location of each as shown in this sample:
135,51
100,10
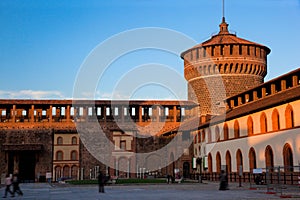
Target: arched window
269,158
288,158
74,140
250,126
59,140
225,131
74,155
59,155
236,129
289,117
208,135
252,159
218,162
275,120
263,123
217,132
203,135
228,162
239,160
209,158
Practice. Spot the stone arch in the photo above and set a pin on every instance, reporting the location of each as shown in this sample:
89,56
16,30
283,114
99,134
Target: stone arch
218,162
221,70
225,131
252,159
269,158
209,160
288,158
236,129
275,120
210,69
263,123
250,126
226,68
239,160
289,116
228,162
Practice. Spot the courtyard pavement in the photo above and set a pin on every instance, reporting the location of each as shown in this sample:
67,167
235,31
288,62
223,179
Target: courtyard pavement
184,191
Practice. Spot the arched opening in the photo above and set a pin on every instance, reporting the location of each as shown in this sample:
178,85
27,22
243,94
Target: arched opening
228,162
74,140
57,174
269,158
66,172
59,155
59,140
218,162
263,123
288,158
239,161
252,159
74,172
209,160
250,126
275,120
225,131
217,134
236,129
289,117
74,155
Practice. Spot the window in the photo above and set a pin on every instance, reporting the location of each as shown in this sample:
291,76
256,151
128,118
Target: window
250,126
289,117
59,140
236,129
73,155
123,145
74,140
59,155
225,131
275,120
263,123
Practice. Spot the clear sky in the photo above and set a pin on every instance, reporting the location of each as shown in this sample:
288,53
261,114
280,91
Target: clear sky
44,43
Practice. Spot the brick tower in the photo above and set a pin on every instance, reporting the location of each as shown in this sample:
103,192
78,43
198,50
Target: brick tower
223,66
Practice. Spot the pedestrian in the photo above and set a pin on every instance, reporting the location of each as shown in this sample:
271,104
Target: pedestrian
101,182
7,184
16,187
223,181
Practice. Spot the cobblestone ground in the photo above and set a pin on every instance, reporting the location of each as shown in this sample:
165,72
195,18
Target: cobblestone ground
184,191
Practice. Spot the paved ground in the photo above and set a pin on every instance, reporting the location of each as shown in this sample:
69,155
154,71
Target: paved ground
185,191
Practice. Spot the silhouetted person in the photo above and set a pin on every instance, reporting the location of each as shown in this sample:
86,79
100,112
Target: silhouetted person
16,187
7,184
223,181
101,182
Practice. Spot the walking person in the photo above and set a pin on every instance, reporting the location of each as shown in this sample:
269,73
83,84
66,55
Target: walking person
7,184
101,182
16,187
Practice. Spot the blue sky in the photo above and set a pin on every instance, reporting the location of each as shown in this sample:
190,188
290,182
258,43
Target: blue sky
44,43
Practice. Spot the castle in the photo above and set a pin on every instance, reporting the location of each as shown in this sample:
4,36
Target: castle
231,120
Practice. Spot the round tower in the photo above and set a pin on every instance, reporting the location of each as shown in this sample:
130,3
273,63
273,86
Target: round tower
223,66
